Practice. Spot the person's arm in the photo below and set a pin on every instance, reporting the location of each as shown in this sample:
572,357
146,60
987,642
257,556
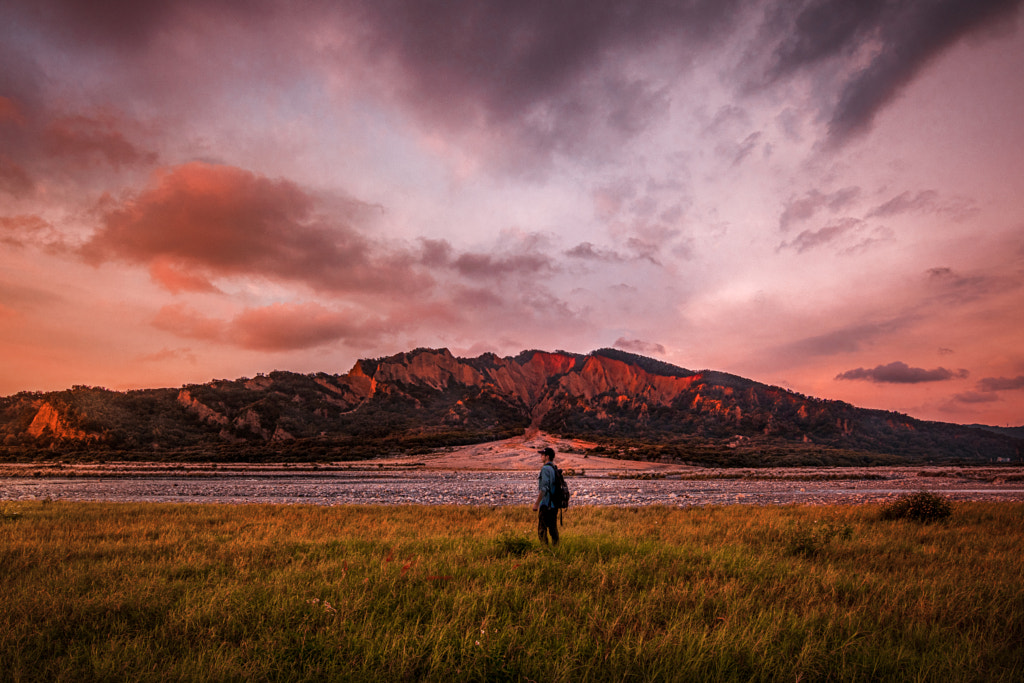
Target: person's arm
545,486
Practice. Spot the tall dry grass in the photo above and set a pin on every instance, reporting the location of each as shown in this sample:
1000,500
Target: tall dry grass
205,592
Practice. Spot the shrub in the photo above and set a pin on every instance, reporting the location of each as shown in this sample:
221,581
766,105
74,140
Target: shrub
808,540
510,544
921,506
9,511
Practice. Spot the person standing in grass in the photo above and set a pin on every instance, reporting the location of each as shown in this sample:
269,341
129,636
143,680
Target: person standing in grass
547,517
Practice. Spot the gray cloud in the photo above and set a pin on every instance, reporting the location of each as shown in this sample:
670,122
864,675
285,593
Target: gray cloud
899,372
991,384
810,239
846,339
495,266
802,209
639,346
974,397
586,251
904,35
926,201
950,286
906,202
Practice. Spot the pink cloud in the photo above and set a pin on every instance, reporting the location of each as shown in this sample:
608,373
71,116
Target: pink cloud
211,220
14,179
85,139
10,112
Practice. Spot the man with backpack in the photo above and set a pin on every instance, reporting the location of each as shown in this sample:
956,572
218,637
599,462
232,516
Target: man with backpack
551,491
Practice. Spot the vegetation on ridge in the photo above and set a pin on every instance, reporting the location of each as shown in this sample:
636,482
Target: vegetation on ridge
411,402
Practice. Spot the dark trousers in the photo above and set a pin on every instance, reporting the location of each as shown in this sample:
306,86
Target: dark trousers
547,523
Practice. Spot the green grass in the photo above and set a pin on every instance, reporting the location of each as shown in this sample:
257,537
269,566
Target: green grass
207,592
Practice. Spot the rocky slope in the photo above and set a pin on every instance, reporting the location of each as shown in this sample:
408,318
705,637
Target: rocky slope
634,406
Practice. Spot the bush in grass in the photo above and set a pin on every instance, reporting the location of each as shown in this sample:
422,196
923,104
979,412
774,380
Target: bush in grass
9,511
921,506
510,544
808,540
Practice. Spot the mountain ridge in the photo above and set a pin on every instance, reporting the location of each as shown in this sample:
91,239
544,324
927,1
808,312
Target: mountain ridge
635,406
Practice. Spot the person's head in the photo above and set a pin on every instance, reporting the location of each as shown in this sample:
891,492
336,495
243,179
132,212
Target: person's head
547,454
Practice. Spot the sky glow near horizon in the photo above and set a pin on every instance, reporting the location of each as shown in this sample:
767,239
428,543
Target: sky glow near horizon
824,195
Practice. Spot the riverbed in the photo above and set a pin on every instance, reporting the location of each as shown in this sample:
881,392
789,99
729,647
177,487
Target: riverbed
413,484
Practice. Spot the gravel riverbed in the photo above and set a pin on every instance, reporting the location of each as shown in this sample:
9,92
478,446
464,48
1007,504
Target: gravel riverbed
402,486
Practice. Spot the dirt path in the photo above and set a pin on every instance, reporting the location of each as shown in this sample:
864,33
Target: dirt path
520,454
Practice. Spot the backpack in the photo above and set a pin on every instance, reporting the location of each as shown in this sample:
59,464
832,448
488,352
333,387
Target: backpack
559,495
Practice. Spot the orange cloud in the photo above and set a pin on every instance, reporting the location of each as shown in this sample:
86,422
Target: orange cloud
282,327
166,274
185,322
20,231
7,313
278,327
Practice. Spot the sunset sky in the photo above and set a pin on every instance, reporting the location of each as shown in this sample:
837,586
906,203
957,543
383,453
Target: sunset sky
823,195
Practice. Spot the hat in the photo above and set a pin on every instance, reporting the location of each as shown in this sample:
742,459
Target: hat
548,451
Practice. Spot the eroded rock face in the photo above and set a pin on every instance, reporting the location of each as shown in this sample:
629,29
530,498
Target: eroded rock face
431,392
204,412
49,422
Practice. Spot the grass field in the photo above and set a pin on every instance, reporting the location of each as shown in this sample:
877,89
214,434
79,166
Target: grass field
205,592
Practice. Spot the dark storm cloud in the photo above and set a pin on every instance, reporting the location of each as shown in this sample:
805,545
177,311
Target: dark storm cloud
904,36
126,25
548,75
531,78
899,372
